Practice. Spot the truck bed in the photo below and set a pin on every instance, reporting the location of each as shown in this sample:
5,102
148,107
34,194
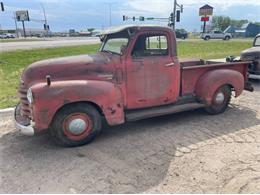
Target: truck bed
193,69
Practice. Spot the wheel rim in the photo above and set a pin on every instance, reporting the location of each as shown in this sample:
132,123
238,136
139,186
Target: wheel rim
219,98
77,126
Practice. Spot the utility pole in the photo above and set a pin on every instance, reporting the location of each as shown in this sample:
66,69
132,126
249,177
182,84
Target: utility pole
24,33
16,29
174,14
45,20
110,14
2,10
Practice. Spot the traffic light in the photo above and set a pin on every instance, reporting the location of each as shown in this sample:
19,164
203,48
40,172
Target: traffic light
141,18
46,27
171,17
2,7
124,18
178,14
134,18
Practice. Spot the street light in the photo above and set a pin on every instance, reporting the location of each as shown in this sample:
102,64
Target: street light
45,18
110,12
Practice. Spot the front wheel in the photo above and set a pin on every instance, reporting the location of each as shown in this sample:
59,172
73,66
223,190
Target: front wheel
76,125
220,100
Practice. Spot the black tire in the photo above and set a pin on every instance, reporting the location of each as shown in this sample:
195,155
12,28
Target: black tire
92,126
219,107
206,38
227,38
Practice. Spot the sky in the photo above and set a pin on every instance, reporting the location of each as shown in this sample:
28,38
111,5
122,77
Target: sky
63,15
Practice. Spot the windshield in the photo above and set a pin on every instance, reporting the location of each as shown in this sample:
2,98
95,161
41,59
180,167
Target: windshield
257,41
115,43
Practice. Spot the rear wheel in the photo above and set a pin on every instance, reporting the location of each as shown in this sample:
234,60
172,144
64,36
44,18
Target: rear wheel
76,125
220,100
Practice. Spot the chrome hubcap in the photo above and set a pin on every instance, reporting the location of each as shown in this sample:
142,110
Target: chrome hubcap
220,98
77,126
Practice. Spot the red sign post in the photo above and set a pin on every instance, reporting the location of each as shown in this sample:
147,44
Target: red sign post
205,11
204,19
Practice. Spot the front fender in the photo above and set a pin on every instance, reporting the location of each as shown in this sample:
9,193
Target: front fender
49,99
211,81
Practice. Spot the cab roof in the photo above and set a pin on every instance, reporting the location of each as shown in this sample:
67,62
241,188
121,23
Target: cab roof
117,29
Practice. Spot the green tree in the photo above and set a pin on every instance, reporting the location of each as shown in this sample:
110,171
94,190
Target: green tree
238,23
91,29
220,22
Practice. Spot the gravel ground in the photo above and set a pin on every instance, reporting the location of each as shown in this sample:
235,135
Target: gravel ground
189,152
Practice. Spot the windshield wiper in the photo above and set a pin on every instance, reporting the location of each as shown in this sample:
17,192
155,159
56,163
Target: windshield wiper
108,52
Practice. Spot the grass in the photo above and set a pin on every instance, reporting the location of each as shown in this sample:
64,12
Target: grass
12,63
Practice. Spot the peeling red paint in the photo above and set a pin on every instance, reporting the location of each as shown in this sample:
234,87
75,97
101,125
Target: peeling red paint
117,84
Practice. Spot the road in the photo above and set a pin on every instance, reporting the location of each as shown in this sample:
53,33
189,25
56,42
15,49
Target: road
190,152
48,43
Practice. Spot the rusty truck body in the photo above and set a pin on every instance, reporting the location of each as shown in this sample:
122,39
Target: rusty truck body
135,75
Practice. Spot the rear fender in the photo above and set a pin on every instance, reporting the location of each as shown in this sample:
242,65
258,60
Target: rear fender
49,99
211,81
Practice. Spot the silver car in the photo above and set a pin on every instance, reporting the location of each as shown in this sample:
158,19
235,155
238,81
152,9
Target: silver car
216,35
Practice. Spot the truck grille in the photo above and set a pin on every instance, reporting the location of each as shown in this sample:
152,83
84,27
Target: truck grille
25,110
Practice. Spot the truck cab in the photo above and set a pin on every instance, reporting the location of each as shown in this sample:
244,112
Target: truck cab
135,75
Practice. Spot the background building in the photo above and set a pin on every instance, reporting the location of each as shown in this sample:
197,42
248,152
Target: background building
247,30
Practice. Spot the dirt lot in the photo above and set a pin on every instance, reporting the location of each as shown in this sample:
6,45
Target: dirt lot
186,153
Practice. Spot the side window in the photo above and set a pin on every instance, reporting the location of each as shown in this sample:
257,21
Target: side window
156,42
150,45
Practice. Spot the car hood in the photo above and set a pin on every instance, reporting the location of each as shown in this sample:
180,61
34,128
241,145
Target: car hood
95,66
253,52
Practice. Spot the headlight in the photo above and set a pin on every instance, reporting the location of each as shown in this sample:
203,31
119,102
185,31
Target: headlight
30,95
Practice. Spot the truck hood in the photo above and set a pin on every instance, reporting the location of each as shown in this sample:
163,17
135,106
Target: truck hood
96,66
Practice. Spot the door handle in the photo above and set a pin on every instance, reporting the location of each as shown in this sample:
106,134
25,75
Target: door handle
170,64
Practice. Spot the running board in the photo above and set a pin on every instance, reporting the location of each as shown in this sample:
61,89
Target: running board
134,115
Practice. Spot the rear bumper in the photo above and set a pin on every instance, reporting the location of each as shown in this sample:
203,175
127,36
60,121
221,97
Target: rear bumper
23,124
254,76
248,87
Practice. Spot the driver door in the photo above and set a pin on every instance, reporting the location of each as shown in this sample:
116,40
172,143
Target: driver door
151,73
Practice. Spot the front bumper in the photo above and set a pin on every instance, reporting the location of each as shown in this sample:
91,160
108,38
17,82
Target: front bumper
25,130
23,124
254,76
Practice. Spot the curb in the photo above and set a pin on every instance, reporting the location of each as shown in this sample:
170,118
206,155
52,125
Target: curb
6,112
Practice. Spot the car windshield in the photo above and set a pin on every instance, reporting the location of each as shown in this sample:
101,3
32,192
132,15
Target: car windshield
115,43
257,41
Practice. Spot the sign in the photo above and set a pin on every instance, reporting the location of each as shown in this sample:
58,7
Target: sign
206,10
204,19
22,15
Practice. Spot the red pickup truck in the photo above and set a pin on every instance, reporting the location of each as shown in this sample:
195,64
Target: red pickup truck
135,75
